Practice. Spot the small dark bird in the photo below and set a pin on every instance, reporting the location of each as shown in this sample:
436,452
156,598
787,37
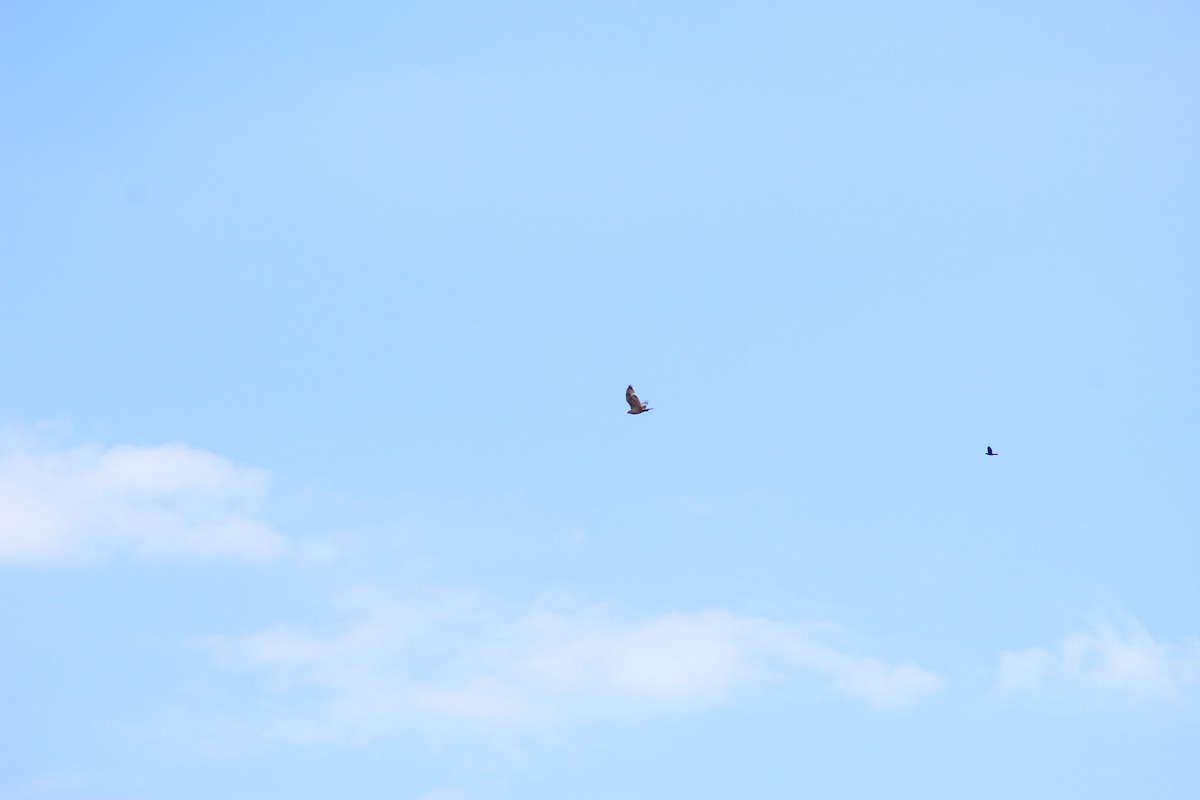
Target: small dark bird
635,406
990,453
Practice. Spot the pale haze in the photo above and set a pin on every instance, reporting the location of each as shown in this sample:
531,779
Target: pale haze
316,476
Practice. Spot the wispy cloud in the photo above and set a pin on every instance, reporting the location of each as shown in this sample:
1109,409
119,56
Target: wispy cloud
81,503
390,666
1114,658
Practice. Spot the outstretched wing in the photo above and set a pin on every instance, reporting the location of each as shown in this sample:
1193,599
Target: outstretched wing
632,399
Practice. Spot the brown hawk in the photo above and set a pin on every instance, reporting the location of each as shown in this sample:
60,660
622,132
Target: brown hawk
635,406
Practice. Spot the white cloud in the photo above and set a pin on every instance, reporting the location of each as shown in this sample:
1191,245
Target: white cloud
87,502
1112,659
392,666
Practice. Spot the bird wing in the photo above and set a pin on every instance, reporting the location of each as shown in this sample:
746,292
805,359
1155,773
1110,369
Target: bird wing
632,399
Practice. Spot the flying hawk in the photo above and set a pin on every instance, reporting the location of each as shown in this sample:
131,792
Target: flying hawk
635,406
990,453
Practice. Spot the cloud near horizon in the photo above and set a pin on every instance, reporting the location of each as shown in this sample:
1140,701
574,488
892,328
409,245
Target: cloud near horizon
390,667
88,502
1116,658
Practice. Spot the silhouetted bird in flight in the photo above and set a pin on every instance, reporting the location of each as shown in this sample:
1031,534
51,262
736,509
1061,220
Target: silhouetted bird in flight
990,453
635,406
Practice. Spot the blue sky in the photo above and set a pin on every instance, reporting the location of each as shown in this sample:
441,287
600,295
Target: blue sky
315,476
